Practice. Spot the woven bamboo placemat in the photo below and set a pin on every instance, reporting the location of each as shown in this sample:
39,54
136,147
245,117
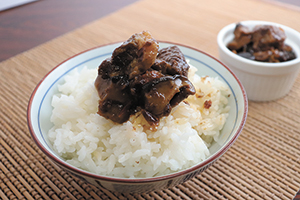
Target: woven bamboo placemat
262,164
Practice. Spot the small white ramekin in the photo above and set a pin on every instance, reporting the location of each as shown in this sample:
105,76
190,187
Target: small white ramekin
262,81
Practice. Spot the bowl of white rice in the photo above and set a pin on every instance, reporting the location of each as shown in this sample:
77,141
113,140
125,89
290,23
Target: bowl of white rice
129,157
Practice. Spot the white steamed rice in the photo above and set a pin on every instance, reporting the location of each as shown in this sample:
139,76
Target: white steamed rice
130,150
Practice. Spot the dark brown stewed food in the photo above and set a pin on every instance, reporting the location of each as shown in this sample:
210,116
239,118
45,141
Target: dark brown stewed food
264,43
140,77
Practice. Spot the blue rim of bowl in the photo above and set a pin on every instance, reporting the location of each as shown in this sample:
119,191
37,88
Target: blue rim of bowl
139,180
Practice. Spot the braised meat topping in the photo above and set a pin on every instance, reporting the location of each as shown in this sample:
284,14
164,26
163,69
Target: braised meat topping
170,60
140,77
264,43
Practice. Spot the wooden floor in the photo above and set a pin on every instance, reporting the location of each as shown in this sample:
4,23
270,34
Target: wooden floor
291,2
24,27
27,26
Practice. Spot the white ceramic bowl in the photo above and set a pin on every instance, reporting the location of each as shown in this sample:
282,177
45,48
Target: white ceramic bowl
39,111
262,81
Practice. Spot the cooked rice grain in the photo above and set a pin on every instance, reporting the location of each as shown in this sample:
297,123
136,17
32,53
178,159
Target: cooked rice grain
131,150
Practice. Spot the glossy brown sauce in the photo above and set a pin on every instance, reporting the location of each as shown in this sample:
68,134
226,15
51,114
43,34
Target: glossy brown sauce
264,43
140,77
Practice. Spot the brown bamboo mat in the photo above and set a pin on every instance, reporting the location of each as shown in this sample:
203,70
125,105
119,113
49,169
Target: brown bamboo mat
264,163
